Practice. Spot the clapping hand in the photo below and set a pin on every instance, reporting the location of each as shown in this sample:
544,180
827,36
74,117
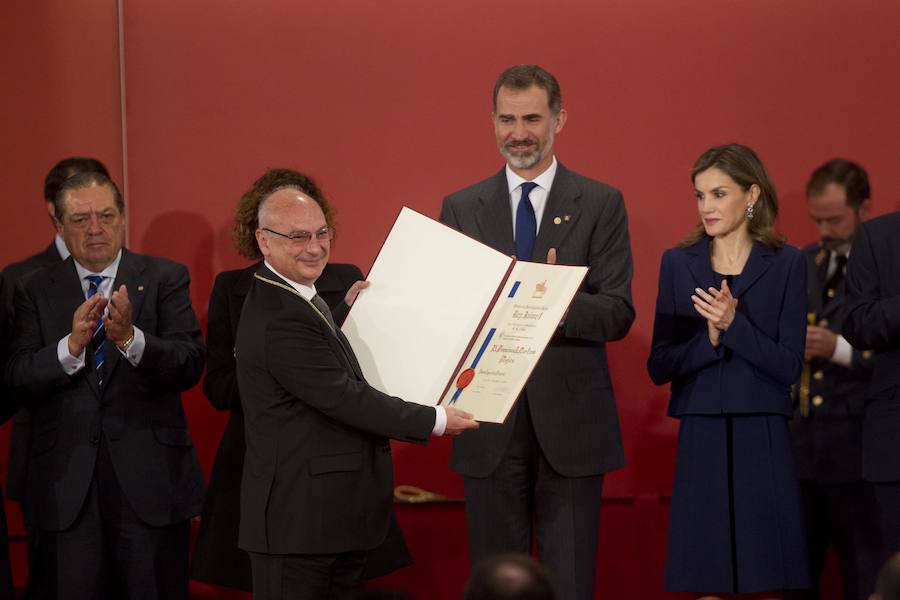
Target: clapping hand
717,307
84,323
117,320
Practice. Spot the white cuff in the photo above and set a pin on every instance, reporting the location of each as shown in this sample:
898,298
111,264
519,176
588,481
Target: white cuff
843,352
70,364
440,421
136,348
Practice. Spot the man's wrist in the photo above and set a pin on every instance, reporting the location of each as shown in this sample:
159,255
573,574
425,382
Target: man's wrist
123,346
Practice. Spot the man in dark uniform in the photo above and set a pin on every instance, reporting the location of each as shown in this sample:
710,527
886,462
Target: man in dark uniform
841,508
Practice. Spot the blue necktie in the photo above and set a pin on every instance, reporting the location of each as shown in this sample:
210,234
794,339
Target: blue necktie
99,333
526,224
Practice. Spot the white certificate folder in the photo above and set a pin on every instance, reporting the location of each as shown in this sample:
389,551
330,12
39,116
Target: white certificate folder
449,320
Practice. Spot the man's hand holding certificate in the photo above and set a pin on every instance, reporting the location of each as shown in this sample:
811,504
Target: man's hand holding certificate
446,319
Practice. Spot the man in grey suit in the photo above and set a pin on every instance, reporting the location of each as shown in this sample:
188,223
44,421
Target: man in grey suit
542,470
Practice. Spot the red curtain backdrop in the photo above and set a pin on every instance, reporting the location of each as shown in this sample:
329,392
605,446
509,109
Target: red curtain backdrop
388,103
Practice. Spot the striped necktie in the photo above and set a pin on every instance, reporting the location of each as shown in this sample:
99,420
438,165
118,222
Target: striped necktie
100,331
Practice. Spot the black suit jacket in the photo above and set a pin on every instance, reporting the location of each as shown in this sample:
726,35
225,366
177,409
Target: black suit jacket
317,472
6,590
217,557
20,434
569,393
828,442
139,410
9,405
873,322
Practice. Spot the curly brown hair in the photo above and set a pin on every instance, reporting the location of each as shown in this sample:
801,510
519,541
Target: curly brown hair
246,215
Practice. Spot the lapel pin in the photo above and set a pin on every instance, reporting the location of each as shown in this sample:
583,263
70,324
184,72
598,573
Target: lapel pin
567,217
557,220
140,288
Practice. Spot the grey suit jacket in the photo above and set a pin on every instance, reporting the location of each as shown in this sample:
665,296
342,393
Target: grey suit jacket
569,393
139,409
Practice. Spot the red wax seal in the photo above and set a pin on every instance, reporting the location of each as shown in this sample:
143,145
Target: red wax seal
465,378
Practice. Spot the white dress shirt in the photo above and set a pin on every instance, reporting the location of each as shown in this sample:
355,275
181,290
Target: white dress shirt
134,353
538,195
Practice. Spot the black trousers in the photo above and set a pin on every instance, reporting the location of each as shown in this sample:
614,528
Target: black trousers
526,497
109,553
889,499
6,588
306,576
846,516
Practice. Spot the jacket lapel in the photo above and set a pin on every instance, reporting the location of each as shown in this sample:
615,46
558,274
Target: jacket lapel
816,277
560,214
494,216
758,263
700,265
66,293
269,278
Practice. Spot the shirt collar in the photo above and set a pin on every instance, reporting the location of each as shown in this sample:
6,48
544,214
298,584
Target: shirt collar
544,180
61,247
306,291
108,273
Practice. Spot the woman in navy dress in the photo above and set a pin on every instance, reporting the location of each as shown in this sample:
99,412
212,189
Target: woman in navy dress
729,335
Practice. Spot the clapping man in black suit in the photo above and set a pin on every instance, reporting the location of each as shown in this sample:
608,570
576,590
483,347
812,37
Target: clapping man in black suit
105,342
317,483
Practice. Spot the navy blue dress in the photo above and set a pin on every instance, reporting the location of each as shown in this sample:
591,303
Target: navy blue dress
736,522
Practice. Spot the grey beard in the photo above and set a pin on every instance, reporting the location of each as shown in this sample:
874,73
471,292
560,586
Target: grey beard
523,161
527,161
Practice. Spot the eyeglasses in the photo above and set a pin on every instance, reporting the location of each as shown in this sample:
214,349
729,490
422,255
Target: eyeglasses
302,238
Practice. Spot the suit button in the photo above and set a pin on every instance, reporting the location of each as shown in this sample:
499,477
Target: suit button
818,400
818,375
867,354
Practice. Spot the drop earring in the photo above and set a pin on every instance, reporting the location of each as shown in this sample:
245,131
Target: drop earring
749,212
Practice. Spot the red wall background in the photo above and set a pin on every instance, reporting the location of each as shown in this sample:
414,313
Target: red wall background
388,103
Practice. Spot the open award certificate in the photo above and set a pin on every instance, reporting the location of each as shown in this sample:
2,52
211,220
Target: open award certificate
447,319
507,347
